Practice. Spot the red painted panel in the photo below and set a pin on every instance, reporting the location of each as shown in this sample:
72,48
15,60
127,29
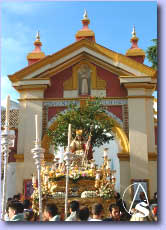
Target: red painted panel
117,110
113,87
56,88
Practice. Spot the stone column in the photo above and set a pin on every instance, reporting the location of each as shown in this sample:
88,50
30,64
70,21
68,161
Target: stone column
141,125
30,104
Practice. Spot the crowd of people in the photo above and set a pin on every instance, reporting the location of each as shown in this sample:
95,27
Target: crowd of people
20,209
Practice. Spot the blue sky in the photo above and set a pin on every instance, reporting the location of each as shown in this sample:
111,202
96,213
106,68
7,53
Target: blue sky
58,22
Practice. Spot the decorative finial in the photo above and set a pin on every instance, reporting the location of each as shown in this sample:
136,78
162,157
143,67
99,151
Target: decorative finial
38,36
133,32
85,16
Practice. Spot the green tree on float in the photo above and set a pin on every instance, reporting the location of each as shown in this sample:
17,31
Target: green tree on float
151,53
90,118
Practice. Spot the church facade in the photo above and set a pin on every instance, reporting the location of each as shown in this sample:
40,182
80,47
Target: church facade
81,70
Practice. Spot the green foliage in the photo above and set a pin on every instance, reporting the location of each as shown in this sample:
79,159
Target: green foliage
90,118
151,53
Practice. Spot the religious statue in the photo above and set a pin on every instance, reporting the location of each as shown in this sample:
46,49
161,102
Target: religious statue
84,73
81,149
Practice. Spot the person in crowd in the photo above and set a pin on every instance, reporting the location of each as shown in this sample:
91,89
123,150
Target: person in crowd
154,200
15,211
51,212
18,197
154,209
6,217
114,211
74,209
83,213
97,212
27,205
29,215
122,207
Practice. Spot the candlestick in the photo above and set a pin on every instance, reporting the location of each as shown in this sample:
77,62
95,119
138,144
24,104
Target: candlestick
108,165
69,135
7,109
37,127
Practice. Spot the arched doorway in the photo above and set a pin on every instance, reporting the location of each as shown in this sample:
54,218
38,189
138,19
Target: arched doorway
118,146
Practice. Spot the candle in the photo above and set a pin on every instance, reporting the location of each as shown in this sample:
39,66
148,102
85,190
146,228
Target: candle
97,176
7,109
108,165
105,152
45,179
92,165
34,179
69,135
37,127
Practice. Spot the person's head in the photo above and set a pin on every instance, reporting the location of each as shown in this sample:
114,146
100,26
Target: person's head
117,195
83,213
14,208
142,196
29,216
74,206
114,211
50,210
154,210
97,209
155,196
27,204
79,135
16,197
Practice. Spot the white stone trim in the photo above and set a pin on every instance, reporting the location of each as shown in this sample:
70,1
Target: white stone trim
91,52
60,103
70,93
135,80
98,93
33,82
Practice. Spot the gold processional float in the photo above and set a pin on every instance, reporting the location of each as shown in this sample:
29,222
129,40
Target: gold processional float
88,183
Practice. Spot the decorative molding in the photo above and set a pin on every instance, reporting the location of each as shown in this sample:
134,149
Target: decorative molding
115,101
152,156
139,96
140,85
124,156
117,119
100,83
19,157
30,87
60,103
68,84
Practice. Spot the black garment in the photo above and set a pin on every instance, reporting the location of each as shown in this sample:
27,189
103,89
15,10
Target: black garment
108,219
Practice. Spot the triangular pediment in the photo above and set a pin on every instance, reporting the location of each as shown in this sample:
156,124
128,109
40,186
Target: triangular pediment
83,49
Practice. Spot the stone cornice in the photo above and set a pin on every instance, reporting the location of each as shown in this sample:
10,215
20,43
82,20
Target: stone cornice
19,157
113,57
140,85
152,156
124,156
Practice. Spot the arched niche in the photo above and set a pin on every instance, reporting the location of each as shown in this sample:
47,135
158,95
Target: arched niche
117,130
